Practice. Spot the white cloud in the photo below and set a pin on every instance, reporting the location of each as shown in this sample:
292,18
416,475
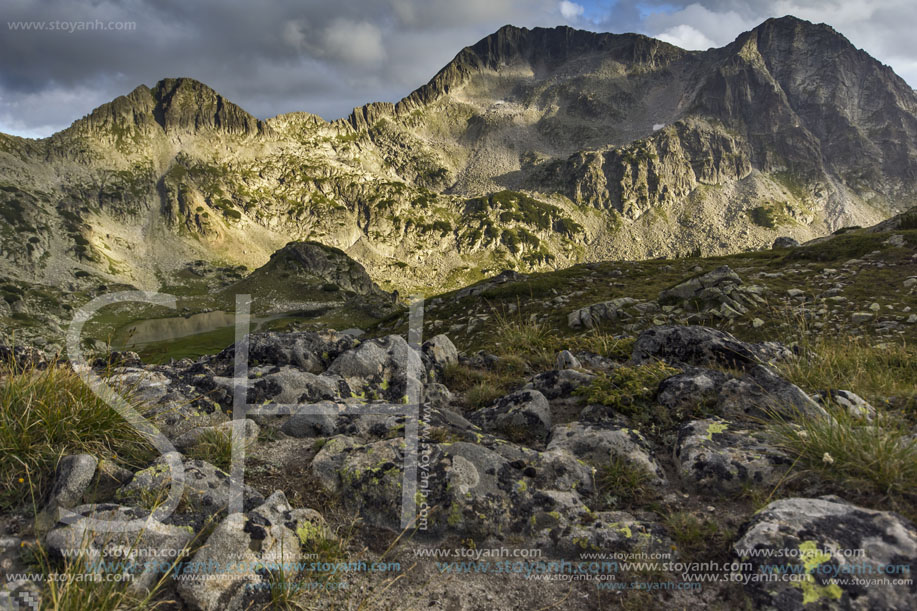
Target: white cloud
327,57
294,34
697,27
686,37
355,43
571,10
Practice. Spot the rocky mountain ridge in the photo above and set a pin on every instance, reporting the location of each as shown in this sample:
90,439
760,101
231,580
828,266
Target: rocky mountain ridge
533,149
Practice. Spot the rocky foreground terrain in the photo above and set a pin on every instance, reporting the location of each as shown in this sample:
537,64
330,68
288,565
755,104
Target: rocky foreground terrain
753,418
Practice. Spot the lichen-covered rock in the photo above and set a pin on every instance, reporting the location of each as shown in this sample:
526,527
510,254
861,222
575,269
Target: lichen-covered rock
833,549
310,425
598,313
693,287
136,546
72,479
248,427
308,351
566,360
853,404
242,553
330,458
524,415
380,367
22,357
703,346
597,445
763,394
693,388
785,242
290,385
437,396
559,383
720,291
713,455
205,488
604,531
480,489
440,350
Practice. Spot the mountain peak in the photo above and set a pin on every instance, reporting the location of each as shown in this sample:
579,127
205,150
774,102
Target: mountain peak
173,104
544,49
187,104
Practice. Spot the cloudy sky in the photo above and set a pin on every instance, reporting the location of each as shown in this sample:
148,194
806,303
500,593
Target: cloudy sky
275,56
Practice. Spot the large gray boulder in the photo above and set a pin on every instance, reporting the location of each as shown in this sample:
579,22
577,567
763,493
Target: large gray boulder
833,550
692,389
594,315
479,489
145,554
606,530
72,478
559,383
703,346
308,351
763,394
231,571
693,288
206,488
380,367
720,291
597,445
784,242
715,456
523,416
291,385
441,351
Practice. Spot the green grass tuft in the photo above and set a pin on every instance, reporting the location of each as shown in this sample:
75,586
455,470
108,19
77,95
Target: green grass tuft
876,458
620,483
48,413
214,447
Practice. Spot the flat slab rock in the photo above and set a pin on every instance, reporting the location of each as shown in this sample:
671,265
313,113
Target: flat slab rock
835,549
714,455
596,445
703,346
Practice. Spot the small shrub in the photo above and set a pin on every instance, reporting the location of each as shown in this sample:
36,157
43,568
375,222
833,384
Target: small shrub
528,340
321,544
771,215
460,377
628,390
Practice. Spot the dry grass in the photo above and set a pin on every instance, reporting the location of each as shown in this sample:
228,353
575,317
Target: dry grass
854,364
876,458
48,413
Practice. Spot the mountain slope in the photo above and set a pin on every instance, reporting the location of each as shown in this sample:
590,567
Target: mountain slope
532,149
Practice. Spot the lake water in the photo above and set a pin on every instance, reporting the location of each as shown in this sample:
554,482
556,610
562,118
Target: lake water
164,329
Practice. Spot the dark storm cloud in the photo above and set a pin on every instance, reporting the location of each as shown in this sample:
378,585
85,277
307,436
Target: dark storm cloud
274,56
